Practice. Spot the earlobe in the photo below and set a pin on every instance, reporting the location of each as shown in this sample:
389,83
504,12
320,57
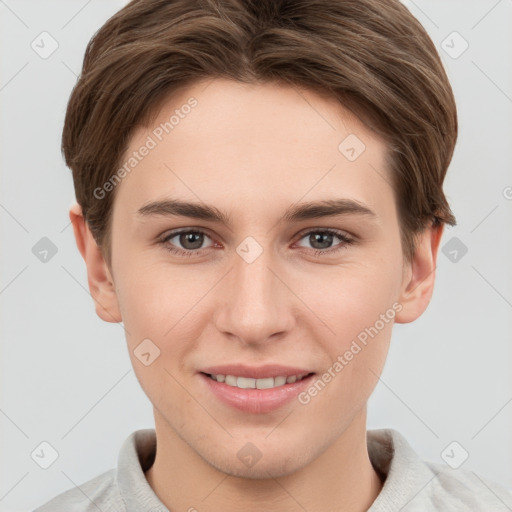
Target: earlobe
101,284
419,276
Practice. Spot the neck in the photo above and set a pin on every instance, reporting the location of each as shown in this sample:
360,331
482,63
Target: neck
341,478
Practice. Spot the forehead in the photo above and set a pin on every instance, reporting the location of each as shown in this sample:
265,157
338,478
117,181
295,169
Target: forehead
259,145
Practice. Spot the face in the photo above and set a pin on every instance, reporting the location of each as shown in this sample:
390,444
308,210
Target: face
250,279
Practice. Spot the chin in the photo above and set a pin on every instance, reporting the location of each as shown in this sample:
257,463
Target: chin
278,465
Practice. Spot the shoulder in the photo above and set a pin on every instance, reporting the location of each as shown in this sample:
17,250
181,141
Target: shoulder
115,490
99,493
416,485
465,490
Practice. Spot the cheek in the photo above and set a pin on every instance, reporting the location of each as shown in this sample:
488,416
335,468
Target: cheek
156,312
351,298
362,326
158,299
359,305
155,298
161,309
356,358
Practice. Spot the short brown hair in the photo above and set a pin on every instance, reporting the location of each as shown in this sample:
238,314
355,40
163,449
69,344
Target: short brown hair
371,55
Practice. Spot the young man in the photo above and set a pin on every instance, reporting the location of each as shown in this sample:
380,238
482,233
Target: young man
259,200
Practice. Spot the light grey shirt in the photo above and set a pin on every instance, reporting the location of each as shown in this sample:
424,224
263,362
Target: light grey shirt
411,485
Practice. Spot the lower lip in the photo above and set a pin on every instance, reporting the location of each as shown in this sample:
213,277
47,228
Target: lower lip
256,401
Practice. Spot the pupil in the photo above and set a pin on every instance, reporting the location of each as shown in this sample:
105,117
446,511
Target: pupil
318,237
187,238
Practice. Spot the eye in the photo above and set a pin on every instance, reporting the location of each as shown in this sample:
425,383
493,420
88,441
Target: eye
322,240
190,241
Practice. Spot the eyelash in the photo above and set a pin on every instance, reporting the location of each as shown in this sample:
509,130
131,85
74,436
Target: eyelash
317,252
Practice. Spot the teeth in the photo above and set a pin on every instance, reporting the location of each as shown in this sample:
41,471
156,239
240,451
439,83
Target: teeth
245,383
231,381
280,381
249,383
265,383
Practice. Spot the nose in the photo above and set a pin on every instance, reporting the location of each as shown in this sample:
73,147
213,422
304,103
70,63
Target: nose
255,305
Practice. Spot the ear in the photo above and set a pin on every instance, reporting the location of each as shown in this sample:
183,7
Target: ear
419,275
101,284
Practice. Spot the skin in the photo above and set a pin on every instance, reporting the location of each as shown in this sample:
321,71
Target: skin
252,151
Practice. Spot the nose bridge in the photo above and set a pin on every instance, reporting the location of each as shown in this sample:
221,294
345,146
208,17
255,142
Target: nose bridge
254,283
255,305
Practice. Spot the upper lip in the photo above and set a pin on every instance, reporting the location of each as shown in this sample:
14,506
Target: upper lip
255,372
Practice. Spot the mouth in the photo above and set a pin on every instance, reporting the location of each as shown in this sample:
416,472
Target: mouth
254,383
255,390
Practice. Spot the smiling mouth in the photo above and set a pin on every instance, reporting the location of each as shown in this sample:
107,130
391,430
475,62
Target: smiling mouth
251,383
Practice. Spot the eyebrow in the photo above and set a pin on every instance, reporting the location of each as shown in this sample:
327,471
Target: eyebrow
302,211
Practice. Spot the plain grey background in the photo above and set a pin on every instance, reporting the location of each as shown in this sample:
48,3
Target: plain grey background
66,378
